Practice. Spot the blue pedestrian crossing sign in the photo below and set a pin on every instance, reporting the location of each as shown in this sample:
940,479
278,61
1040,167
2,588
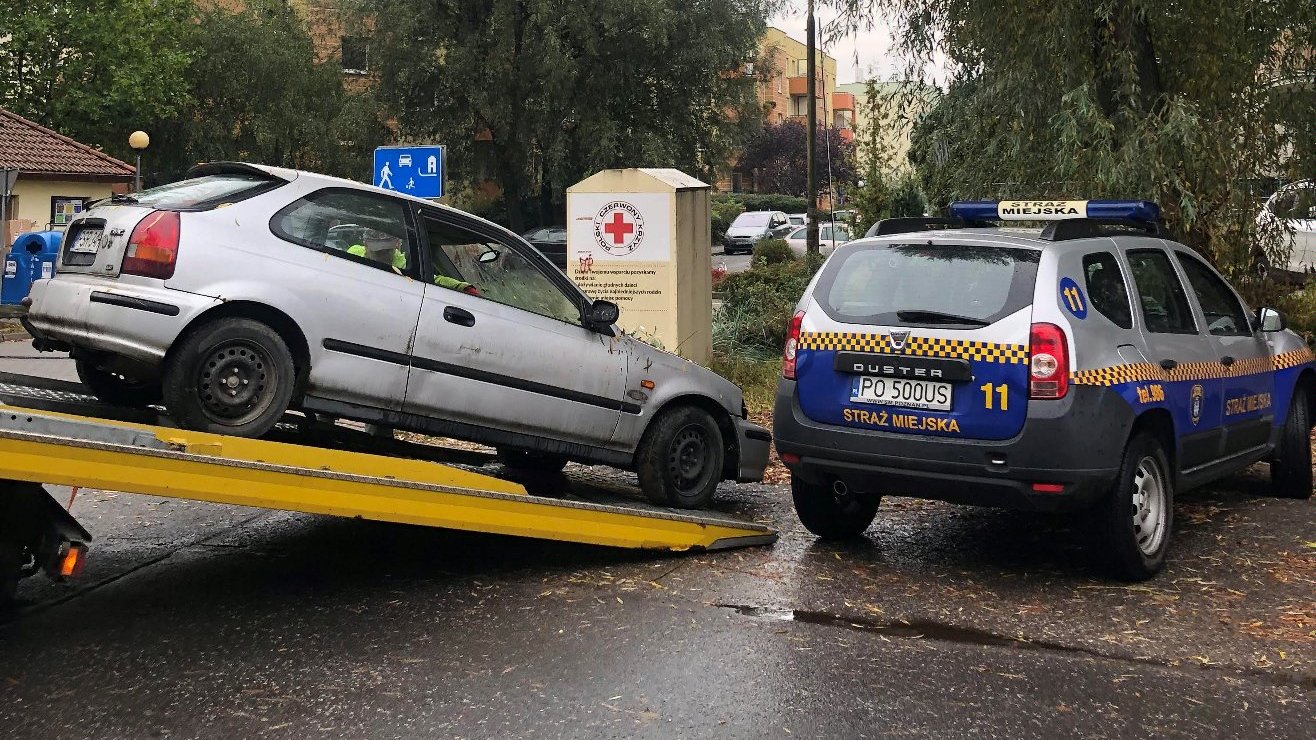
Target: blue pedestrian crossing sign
414,170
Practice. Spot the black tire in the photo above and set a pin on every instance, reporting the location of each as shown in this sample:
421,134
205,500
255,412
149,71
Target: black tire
1290,472
1135,521
232,376
680,458
534,462
830,516
117,389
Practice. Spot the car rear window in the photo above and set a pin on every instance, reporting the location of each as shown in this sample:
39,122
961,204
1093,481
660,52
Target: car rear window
927,285
207,191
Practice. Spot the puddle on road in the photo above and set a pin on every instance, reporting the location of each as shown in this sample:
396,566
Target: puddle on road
907,629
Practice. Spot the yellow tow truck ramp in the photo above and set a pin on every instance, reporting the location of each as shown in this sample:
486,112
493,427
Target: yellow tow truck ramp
46,446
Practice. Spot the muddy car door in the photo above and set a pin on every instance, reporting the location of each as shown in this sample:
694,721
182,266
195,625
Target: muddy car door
516,356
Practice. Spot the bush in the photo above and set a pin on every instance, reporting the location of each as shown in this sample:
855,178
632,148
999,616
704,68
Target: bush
772,252
1299,309
757,305
907,198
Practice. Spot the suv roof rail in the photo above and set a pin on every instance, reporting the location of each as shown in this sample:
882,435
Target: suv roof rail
910,224
1083,228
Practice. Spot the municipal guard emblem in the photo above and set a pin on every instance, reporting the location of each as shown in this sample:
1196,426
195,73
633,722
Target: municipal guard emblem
898,339
1195,405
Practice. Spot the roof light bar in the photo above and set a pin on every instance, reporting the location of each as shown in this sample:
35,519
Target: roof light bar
1055,210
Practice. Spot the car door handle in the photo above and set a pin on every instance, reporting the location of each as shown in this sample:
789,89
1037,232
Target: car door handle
459,316
1226,360
1169,364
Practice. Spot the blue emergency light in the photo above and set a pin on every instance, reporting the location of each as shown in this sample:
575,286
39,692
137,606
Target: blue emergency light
1055,210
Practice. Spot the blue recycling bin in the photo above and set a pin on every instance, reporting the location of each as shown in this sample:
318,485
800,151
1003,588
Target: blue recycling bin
32,258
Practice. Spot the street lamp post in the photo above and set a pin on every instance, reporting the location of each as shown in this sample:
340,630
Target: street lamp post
138,140
811,123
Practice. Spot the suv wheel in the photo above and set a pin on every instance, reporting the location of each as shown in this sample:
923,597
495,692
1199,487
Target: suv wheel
1137,515
832,515
1290,473
116,389
232,376
679,460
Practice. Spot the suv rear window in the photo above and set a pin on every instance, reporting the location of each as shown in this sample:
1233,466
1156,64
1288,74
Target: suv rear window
205,192
927,285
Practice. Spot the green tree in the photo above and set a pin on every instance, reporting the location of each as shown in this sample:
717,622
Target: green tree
260,95
1185,103
536,94
95,70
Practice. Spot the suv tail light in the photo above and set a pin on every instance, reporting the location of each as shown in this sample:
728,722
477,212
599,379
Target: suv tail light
792,346
1048,362
153,246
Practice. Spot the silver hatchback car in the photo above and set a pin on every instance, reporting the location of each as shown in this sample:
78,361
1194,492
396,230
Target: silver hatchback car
244,291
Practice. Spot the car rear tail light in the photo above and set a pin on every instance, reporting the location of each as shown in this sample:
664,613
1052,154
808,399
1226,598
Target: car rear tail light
153,246
1048,362
792,346
1048,488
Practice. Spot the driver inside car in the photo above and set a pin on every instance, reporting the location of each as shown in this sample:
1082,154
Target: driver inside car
386,249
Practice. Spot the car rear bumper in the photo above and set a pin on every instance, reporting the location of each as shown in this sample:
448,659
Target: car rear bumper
138,322
755,443
1053,448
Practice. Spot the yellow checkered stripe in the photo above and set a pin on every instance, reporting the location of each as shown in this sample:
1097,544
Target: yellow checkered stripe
1143,372
1293,359
961,349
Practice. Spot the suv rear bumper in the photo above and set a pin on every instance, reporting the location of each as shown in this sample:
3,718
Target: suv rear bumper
1055,447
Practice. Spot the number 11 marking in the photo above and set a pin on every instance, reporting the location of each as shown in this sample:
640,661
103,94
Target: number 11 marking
1001,390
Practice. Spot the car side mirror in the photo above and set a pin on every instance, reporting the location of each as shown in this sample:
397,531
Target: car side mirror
1270,320
601,314
489,255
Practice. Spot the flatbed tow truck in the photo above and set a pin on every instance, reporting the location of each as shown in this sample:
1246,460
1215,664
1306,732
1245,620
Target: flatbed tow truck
54,432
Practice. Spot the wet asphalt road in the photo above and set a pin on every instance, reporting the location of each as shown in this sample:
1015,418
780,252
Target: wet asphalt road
198,620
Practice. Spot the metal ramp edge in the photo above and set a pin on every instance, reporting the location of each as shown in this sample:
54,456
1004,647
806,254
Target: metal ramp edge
64,449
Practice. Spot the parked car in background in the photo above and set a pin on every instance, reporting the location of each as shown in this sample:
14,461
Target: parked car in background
751,227
1294,207
830,236
237,294
551,241
798,219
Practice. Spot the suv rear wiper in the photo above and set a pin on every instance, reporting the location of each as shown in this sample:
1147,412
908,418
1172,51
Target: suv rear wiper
122,198
920,316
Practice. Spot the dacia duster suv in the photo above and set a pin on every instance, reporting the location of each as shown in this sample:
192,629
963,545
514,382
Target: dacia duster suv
1094,365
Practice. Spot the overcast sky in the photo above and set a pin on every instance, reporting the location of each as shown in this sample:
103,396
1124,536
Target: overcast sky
859,56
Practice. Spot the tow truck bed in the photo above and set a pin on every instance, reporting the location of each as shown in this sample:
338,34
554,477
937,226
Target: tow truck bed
54,432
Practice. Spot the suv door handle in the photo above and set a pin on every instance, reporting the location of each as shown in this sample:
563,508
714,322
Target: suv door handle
1169,364
1227,360
459,316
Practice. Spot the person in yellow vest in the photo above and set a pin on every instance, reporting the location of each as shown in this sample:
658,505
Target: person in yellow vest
385,249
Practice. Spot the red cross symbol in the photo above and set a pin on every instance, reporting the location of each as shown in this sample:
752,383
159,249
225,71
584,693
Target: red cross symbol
618,229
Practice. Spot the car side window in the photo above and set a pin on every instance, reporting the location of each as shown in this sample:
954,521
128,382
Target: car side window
357,226
496,270
1225,316
1164,304
1106,289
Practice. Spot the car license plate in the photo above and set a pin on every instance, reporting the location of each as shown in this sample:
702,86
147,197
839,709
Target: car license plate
87,242
915,394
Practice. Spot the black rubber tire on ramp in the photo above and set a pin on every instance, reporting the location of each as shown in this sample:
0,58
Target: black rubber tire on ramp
116,389
232,376
680,458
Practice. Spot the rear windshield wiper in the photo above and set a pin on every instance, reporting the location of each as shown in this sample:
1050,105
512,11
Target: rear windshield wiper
937,317
122,198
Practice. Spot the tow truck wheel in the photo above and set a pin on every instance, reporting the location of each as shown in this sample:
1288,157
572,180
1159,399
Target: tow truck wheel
233,376
833,512
114,388
1290,473
679,460
1137,515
